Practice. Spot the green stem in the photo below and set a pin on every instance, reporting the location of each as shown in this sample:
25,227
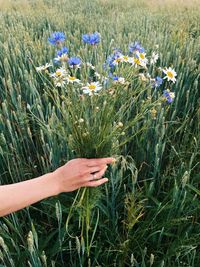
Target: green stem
87,218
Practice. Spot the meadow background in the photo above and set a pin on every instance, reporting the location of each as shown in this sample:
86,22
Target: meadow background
149,213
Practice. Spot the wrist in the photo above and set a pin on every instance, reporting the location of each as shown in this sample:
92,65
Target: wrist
53,183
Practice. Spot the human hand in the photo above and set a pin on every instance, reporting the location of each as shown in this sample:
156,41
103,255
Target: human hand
81,172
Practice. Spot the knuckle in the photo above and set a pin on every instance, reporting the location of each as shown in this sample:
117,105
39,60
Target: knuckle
80,173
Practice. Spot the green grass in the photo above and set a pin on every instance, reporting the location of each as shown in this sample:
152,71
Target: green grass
148,213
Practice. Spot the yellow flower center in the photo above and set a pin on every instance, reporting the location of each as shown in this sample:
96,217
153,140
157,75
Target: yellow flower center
125,58
137,61
142,56
58,73
92,86
71,78
170,74
118,60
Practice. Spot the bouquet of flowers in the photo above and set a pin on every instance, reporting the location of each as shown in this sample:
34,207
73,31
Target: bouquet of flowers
102,102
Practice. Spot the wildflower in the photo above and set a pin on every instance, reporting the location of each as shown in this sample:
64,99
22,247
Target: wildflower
136,61
59,82
74,62
170,74
57,38
133,47
169,96
61,72
125,58
64,50
117,79
142,59
43,67
158,81
154,58
91,38
72,79
61,55
114,59
91,88
117,61
117,50
121,80
132,60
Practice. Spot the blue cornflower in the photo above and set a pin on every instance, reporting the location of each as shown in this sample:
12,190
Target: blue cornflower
169,95
117,50
109,62
57,38
133,47
112,59
61,56
63,51
158,82
91,38
115,78
74,62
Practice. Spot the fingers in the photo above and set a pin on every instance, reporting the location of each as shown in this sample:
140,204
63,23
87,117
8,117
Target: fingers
97,168
97,162
96,175
96,183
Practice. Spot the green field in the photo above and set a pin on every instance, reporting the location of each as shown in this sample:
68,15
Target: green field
148,214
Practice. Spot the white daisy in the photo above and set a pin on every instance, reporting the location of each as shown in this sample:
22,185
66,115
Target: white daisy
62,58
170,74
43,67
135,61
131,60
124,58
142,59
120,80
59,82
60,73
72,79
154,58
117,61
91,88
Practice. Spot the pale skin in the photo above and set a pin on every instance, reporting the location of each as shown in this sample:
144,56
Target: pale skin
74,174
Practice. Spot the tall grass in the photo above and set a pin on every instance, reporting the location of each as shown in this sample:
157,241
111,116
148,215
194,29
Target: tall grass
148,213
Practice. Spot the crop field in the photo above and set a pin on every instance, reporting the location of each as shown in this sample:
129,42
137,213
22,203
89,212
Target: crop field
101,78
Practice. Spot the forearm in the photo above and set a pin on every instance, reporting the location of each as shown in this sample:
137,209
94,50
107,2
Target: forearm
20,195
